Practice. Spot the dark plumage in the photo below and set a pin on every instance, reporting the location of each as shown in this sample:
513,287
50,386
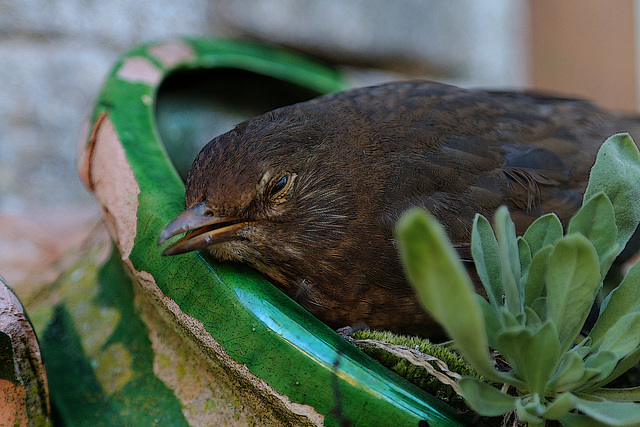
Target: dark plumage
309,194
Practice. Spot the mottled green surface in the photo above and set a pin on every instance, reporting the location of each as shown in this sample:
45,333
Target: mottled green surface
256,324
103,379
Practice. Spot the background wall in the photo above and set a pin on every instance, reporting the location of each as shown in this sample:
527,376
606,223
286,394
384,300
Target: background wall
586,48
54,56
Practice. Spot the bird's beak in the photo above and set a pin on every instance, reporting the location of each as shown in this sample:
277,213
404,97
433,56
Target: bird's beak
207,230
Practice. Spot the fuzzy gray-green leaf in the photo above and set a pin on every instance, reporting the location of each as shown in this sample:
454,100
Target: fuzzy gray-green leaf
539,305
534,287
572,281
571,419
524,252
492,320
623,338
621,301
607,259
541,356
611,413
631,394
484,249
509,260
561,405
623,366
529,413
598,366
485,399
596,221
546,230
616,172
533,356
533,319
569,374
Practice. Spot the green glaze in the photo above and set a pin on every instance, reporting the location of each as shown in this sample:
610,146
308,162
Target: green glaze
106,378
256,324
113,361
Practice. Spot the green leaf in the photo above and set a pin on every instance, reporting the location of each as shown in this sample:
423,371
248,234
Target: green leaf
578,420
541,357
607,260
530,412
509,260
623,338
546,230
492,321
596,221
621,367
561,405
610,413
444,287
536,280
509,320
485,399
484,249
524,253
621,301
616,172
631,394
540,307
533,319
572,281
533,356
569,374
598,366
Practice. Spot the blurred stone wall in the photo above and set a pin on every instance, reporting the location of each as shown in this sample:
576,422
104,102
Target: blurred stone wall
54,56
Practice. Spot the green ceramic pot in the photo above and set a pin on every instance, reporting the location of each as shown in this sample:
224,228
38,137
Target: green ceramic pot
275,360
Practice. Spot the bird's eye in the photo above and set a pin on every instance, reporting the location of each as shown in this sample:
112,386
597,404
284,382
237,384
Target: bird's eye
279,186
282,189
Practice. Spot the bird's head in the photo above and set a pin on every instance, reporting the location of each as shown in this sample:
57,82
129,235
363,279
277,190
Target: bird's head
261,194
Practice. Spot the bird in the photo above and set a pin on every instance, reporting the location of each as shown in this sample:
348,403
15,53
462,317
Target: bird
309,194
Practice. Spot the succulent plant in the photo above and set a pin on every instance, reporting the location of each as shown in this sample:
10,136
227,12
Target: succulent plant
540,287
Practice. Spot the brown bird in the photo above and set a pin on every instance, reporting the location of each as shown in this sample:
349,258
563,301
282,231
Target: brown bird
309,194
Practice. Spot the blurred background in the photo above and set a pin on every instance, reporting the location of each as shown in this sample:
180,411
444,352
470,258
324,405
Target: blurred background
55,55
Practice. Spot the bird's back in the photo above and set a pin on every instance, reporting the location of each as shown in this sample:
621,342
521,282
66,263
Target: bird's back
458,151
